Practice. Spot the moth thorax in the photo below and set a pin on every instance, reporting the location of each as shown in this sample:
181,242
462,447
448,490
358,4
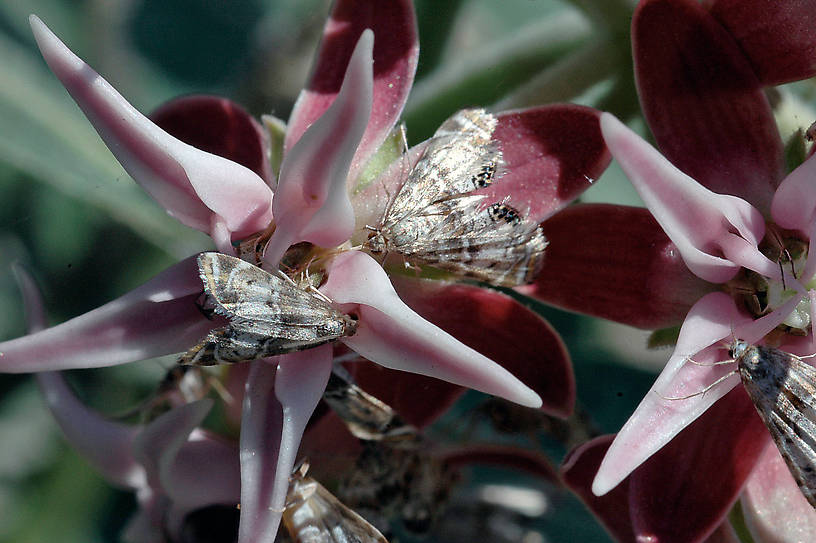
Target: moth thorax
349,325
504,212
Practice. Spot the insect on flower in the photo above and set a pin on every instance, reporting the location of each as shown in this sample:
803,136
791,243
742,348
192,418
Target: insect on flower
783,389
268,314
314,515
439,218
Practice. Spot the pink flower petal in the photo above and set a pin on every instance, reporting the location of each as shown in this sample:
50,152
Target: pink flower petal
612,509
277,406
645,282
657,420
395,59
219,126
197,188
716,234
777,37
703,101
723,534
105,444
684,492
551,155
794,204
311,202
774,508
393,335
502,329
157,444
203,453
157,318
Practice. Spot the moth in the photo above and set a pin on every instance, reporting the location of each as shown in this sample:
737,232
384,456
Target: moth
783,389
268,314
313,515
366,417
439,218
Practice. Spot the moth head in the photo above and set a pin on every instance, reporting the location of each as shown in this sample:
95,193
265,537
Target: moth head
376,241
738,348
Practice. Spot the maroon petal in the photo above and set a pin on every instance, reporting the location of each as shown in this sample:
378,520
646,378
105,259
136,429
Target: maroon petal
612,509
396,49
219,126
551,154
685,490
616,263
532,462
703,102
402,390
777,37
503,330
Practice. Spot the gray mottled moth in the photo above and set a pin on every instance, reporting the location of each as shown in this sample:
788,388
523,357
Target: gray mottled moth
438,217
313,515
268,314
783,389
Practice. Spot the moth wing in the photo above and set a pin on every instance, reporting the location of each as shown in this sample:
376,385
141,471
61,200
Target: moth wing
460,236
314,515
790,416
449,164
256,301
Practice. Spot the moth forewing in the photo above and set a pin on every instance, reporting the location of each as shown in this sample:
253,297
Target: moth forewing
439,217
783,389
313,515
268,314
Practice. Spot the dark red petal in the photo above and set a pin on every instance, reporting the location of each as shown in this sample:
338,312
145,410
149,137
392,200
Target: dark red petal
418,399
615,262
551,154
219,126
502,329
396,49
779,38
531,462
685,490
612,509
703,102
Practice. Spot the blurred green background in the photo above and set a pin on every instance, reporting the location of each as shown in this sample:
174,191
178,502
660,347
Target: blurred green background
89,234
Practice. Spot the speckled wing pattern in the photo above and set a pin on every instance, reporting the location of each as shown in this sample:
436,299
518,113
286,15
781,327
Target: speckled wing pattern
783,388
313,515
438,217
268,314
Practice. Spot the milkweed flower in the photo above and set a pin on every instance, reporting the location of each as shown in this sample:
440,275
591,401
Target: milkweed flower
739,225
355,95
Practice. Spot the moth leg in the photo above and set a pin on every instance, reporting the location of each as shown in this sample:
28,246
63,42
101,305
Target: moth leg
702,392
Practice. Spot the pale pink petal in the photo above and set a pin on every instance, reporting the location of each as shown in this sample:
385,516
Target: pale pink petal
396,51
777,37
774,508
203,453
393,335
502,329
794,204
157,444
311,201
105,444
685,491
703,101
157,318
657,419
716,234
219,126
551,154
193,186
277,407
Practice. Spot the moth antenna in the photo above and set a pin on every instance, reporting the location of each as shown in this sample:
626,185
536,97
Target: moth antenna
706,389
704,364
